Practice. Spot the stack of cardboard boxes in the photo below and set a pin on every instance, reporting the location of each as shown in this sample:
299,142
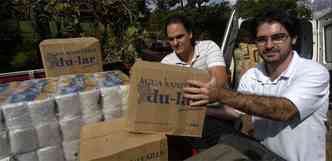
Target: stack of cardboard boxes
156,107
91,117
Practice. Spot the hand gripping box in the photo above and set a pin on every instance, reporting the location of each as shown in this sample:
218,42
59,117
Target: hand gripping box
156,103
71,55
110,141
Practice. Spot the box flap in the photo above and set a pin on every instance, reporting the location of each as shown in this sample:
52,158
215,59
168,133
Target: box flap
105,139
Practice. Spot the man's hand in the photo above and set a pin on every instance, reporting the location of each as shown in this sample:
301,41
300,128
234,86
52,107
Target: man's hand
201,93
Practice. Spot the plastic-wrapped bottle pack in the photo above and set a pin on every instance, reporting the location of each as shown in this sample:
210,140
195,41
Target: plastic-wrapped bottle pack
4,145
40,119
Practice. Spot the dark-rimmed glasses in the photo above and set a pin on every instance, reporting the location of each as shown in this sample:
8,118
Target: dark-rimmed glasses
277,38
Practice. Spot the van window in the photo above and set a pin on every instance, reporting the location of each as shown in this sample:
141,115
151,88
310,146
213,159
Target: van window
304,43
328,46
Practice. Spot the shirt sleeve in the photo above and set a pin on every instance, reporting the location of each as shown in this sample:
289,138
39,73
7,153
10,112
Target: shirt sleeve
246,81
165,60
245,85
309,91
215,56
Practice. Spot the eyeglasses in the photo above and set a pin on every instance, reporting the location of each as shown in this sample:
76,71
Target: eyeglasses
275,38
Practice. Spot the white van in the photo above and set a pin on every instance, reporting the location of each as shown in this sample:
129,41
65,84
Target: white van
314,42
314,39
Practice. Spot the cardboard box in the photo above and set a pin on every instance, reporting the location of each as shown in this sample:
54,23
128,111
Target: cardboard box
110,141
156,102
71,55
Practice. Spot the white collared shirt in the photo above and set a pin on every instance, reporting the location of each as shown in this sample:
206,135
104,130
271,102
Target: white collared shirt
306,84
206,54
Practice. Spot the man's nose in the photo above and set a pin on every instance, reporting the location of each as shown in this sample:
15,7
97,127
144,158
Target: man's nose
269,43
175,42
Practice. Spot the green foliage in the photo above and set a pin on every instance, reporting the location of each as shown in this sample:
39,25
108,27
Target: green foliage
124,51
120,19
198,3
7,9
165,5
208,21
27,56
249,8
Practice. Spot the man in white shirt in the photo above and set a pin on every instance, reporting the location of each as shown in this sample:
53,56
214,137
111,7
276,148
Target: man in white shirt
287,95
204,55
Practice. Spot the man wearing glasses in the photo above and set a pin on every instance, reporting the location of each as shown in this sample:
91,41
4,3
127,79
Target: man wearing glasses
287,95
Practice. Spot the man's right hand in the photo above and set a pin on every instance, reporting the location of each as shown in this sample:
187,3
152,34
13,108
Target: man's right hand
201,93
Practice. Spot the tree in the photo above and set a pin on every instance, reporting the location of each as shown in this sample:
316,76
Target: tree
193,3
40,16
121,24
9,37
7,9
209,21
249,8
164,5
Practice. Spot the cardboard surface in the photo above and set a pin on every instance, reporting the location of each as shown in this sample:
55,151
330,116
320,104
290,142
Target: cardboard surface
156,103
70,56
110,141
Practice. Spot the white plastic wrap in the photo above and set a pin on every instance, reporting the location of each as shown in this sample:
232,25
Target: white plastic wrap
48,88
4,144
26,91
111,102
23,140
68,105
71,150
17,115
51,153
125,94
71,128
107,79
42,111
7,159
89,101
113,114
92,117
31,156
48,134
6,89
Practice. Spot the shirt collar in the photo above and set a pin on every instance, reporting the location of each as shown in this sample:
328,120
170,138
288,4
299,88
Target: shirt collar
262,77
194,59
291,67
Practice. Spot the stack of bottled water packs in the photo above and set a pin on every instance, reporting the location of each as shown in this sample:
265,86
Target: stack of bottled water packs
40,119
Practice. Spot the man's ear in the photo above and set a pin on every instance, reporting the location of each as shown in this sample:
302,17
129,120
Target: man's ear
294,39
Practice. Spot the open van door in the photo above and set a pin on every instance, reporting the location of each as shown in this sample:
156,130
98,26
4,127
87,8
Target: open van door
229,40
325,40
240,52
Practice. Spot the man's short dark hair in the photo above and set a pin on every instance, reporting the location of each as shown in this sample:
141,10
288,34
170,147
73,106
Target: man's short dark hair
270,15
179,19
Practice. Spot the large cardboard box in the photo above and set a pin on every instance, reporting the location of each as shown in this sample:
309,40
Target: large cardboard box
110,141
71,55
156,102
